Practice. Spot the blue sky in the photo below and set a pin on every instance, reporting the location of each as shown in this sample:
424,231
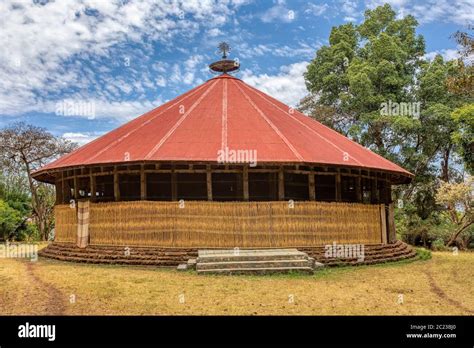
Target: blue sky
114,60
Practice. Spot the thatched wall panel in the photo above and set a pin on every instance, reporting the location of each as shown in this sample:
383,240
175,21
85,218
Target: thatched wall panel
66,223
215,224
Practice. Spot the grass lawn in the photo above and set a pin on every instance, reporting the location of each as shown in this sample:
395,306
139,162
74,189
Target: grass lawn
441,285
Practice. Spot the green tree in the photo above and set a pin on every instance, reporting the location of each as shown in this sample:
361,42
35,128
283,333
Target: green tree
461,83
372,83
457,198
25,148
463,136
10,220
361,68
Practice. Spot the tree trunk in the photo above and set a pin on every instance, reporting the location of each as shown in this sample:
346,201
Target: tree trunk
458,232
36,204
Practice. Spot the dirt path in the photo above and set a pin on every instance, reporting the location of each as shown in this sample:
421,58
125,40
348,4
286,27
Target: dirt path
54,298
441,294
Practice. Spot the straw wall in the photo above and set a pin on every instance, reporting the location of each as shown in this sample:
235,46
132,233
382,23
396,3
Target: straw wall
66,223
231,224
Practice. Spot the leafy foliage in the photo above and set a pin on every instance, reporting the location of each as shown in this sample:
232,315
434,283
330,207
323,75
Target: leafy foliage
372,84
10,220
23,149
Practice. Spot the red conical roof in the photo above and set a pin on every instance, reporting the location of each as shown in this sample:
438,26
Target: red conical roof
224,112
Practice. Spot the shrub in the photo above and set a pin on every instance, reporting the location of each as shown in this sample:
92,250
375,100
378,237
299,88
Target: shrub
423,254
10,221
30,233
439,245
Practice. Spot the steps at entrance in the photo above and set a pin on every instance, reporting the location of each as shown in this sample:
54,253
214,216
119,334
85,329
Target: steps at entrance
262,261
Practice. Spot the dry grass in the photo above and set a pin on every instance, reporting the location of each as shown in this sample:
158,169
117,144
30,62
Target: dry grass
440,286
225,224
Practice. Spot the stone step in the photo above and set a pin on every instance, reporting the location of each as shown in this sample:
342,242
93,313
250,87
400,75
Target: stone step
229,255
306,270
253,264
252,261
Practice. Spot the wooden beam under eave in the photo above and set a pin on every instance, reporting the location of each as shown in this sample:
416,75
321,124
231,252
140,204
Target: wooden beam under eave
373,191
62,189
116,185
209,182
76,188
383,223
312,187
174,186
93,187
281,184
338,186
358,189
142,183
246,182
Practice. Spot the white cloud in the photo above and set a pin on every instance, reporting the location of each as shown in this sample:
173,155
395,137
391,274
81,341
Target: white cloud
447,54
193,61
278,13
43,45
214,32
302,50
288,85
81,138
350,11
454,11
316,10
160,81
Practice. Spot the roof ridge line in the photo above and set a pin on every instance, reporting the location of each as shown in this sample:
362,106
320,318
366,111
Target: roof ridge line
178,123
115,142
224,115
302,123
275,128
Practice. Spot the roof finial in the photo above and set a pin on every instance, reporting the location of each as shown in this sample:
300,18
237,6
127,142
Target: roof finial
225,65
224,48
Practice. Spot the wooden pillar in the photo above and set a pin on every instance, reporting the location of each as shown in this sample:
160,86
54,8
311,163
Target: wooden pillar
63,195
311,186
389,192
383,223
358,188
174,186
281,185
76,188
338,186
57,189
93,186
246,182
209,182
392,233
373,191
116,185
142,183
381,190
